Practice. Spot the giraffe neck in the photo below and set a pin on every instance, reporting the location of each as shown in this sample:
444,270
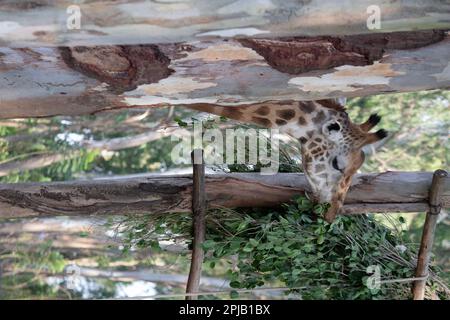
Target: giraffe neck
299,119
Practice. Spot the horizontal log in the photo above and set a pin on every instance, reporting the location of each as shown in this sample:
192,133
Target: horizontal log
44,81
45,23
381,192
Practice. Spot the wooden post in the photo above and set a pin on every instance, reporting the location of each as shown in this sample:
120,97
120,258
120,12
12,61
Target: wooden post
198,211
429,228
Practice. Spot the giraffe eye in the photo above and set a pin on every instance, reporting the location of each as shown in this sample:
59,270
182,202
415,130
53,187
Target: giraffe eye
334,126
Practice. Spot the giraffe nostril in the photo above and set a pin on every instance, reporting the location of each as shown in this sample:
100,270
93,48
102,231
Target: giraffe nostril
335,165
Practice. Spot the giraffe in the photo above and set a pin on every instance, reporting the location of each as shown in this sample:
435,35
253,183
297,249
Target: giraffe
331,144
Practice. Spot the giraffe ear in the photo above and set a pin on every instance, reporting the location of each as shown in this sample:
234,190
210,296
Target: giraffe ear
376,136
373,120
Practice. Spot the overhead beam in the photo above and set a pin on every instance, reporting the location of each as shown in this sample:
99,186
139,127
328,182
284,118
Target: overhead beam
380,192
28,23
49,81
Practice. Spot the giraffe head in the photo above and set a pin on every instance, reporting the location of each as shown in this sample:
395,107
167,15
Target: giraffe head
332,153
331,143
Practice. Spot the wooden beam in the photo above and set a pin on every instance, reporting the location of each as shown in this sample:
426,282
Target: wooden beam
426,244
379,192
49,81
45,23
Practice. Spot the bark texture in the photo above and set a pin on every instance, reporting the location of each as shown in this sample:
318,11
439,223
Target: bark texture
44,81
45,23
382,192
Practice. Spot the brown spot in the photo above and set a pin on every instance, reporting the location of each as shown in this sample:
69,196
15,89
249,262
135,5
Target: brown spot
307,107
264,122
318,140
39,33
303,140
312,145
232,113
263,111
301,121
280,122
287,114
310,133
319,117
296,55
122,67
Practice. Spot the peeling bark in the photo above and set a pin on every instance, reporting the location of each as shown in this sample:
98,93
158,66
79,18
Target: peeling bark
302,54
385,192
41,82
123,68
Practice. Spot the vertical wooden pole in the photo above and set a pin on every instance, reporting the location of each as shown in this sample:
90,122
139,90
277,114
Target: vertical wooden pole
429,228
198,211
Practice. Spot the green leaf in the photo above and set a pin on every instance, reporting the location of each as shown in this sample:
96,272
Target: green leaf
253,242
242,226
180,122
320,239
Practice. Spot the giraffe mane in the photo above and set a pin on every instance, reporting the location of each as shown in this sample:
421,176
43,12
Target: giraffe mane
331,104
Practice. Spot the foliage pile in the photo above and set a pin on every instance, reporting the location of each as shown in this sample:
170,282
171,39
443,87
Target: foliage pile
296,248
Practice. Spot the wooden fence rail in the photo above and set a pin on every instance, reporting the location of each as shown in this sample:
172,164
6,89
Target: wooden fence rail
378,192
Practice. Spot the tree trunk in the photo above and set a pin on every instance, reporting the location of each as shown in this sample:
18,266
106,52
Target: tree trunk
382,192
45,23
34,162
122,143
45,81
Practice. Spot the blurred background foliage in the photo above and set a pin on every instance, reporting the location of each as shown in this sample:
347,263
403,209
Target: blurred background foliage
139,141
